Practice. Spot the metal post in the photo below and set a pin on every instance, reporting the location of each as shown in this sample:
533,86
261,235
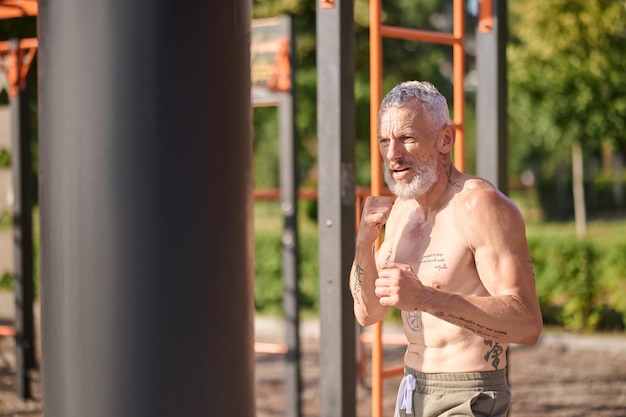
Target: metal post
336,139
21,162
146,208
291,272
491,98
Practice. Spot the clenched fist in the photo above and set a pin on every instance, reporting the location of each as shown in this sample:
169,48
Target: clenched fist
373,218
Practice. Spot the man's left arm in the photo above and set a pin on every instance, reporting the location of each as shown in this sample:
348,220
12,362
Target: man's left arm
497,236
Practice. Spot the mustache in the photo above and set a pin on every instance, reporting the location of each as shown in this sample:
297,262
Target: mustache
398,164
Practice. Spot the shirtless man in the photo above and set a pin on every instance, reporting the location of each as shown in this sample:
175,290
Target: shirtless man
454,260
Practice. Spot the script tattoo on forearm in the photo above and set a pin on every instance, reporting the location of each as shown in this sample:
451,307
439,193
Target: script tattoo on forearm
358,281
494,352
477,328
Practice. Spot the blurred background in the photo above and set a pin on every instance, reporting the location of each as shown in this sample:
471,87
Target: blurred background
566,97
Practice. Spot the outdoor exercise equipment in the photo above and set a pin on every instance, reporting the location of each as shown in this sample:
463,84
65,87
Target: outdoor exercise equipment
146,208
335,80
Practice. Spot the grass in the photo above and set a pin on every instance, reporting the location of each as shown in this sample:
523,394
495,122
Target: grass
609,229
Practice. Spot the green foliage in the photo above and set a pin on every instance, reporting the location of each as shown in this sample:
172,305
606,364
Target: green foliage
268,281
5,158
566,81
266,148
579,282
7,282
268,287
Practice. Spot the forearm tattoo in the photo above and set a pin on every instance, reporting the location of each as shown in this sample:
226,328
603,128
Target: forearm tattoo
472,326
358,282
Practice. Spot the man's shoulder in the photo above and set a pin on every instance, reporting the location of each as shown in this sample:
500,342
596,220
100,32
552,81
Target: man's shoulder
477,195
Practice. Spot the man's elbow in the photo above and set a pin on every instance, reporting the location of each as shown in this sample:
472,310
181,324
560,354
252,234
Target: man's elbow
532,333
365,319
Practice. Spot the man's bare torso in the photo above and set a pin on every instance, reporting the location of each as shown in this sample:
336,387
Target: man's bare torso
434,246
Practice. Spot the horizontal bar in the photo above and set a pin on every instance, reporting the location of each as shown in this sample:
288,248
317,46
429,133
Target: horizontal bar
392,371
7,331
5,46
419,35
270,348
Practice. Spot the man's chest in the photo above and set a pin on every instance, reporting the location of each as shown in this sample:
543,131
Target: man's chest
437,252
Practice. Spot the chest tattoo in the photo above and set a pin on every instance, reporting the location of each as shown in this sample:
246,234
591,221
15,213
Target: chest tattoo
436,260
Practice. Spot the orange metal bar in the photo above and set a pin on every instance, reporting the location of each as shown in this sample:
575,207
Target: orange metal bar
457,41
420,35
376,65
18,8
19,60
7,331
270,348
392,371
5,46
485,16
459,84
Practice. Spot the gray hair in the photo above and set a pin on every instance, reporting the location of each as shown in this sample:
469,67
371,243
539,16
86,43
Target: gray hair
434,102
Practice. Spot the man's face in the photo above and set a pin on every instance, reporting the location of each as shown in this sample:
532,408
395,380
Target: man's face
407,143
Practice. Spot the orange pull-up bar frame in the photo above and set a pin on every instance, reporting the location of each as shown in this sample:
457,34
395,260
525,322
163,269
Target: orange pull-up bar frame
457,41
21,54
18,8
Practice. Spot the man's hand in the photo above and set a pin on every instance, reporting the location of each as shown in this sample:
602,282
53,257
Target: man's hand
398,286
373,218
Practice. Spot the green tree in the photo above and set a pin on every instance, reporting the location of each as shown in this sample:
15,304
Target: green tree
567,79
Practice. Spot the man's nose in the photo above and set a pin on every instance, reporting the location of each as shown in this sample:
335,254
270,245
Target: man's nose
394,150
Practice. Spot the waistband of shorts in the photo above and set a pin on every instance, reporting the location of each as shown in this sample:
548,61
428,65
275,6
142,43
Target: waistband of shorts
484,381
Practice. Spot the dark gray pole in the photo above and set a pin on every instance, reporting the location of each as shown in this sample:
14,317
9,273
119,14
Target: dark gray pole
21,162
336,214
146,198
491,123
291,270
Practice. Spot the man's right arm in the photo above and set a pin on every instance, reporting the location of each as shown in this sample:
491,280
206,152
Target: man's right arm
364,273
367,308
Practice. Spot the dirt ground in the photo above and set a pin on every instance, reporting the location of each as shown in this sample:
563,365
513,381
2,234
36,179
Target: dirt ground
563,376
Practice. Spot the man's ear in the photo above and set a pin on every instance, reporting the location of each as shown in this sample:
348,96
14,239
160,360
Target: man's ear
446,139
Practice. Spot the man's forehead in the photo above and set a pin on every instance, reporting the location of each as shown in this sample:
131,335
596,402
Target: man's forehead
404,114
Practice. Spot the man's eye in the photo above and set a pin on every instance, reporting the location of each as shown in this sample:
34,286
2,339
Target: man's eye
384,141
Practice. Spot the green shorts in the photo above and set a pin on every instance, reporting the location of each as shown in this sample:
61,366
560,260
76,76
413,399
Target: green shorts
484,394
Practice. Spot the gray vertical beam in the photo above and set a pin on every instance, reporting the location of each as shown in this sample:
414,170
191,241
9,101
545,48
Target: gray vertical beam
491,123
291,272
146,203
336,214
21,164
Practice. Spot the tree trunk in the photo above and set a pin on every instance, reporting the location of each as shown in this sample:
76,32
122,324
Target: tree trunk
580,213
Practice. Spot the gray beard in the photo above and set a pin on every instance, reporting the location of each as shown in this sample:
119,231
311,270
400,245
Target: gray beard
425,178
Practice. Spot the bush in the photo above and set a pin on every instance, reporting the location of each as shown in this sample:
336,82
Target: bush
268,283
580,283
